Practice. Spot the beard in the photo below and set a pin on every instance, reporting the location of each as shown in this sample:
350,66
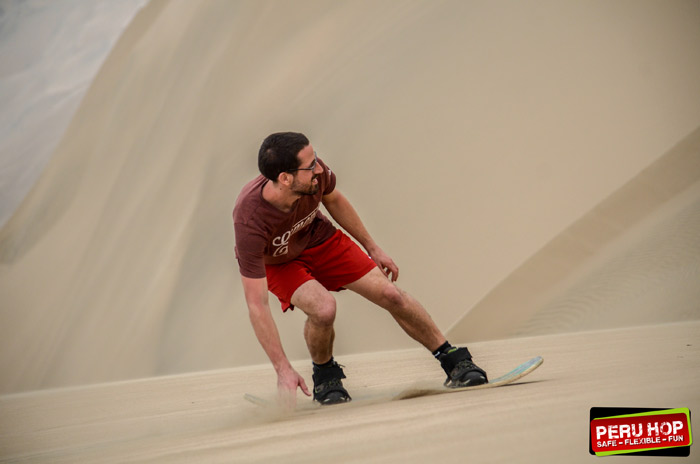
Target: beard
305,189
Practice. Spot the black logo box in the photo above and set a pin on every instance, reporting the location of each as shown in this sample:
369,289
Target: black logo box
597,413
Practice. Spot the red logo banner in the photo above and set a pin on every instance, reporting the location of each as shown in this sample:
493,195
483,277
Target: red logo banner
630,433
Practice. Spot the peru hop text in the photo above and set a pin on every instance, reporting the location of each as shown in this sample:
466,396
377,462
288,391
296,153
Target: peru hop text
634,434
643,431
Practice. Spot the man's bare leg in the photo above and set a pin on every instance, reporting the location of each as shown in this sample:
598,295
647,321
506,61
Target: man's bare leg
416,322
406,310
319,305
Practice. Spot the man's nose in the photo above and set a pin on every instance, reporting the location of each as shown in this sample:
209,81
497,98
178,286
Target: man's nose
318,169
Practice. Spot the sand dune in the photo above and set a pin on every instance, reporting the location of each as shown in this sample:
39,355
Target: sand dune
535,161
633,259
118,264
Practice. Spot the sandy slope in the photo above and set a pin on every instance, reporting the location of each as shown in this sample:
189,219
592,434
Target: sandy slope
467,134
203,418
471,136
636,252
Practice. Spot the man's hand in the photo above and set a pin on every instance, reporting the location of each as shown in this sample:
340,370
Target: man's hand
266,331
287,382
385,263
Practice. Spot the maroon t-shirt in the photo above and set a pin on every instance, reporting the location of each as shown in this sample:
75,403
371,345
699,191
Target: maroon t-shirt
266,235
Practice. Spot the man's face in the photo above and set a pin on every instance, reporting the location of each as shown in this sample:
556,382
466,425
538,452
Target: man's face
306,176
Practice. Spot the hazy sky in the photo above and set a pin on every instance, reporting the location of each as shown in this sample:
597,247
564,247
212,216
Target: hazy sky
49,53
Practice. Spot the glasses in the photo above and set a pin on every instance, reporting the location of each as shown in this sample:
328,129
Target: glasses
310,168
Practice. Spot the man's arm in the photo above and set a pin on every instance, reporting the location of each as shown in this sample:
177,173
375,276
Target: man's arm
345,215
266,331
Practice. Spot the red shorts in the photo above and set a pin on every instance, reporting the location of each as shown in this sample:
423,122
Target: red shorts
335,263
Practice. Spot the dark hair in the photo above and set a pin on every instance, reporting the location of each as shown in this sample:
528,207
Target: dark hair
278,153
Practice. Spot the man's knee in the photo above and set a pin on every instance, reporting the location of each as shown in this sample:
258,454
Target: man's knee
323,312
393,296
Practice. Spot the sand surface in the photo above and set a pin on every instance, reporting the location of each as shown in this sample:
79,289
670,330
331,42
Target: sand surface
203,417
533,167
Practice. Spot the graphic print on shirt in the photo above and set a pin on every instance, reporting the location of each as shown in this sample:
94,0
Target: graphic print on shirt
281,242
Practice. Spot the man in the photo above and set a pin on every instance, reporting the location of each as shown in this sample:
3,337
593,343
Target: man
286,245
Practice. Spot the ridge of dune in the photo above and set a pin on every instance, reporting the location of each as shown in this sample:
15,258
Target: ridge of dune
467,134
636,249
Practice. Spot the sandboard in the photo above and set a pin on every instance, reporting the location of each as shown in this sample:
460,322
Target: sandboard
522,370
418,390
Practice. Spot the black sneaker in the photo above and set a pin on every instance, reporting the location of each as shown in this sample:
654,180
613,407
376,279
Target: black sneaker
328,386
461,371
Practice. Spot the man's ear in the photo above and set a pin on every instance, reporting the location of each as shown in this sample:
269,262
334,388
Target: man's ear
285,178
